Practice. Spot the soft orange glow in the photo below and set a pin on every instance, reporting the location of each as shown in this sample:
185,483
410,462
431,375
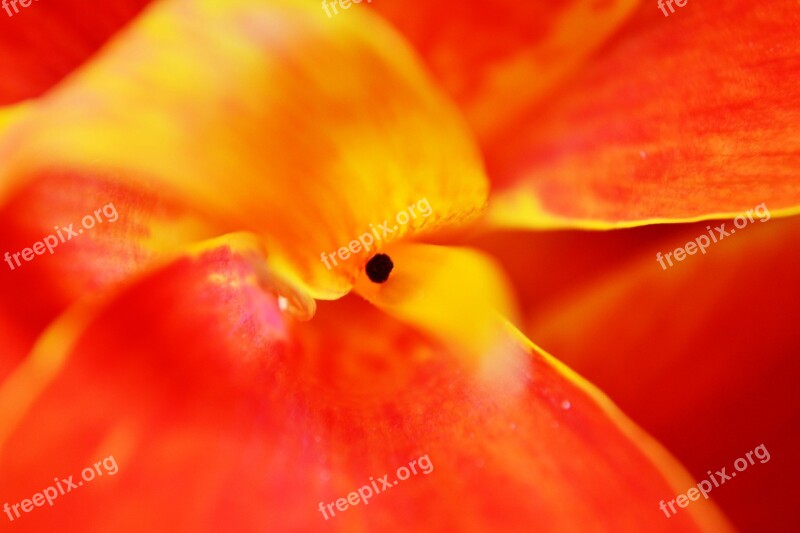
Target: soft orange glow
219,340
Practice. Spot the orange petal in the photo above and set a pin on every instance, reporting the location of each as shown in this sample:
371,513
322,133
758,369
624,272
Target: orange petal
497,58
221,413
42,43
682,118
703,355
270,118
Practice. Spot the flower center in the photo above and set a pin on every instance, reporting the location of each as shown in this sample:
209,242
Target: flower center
379,268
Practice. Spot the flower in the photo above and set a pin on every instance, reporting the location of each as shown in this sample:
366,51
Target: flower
238,382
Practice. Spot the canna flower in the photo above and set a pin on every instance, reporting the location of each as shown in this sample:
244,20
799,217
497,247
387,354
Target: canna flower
235,381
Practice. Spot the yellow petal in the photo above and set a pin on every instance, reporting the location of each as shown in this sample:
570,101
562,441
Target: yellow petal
457,294
267,117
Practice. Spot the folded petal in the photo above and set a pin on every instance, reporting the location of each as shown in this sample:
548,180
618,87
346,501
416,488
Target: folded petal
682,118
702,354
497,58
222,412
41,43
266,117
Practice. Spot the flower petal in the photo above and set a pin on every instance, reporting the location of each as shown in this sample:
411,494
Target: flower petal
43,43
267,117
686,118
498,58
711,342
221,413
69,233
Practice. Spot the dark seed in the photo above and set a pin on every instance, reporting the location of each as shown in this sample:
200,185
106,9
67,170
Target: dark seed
379,268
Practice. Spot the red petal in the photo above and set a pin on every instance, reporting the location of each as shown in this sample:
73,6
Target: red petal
703,355
42,43
221,414
125,231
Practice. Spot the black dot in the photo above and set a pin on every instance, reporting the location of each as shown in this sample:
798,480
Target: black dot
379,268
